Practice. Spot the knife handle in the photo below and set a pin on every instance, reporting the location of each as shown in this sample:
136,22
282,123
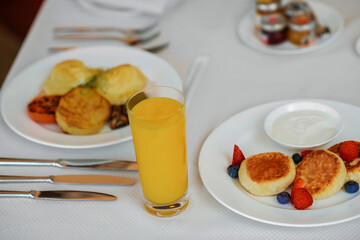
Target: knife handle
27,162
19,179
5,194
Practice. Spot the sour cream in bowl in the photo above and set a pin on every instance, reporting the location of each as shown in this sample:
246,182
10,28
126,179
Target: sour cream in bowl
303,125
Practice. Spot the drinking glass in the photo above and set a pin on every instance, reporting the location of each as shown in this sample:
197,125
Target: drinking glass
157,121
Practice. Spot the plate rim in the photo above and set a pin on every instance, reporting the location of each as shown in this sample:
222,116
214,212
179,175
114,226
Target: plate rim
272,104
268,50
83,51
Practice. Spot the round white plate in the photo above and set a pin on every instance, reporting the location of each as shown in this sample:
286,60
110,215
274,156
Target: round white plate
27,84
246,130
326,15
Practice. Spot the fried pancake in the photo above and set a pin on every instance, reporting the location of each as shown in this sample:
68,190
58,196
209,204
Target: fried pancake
65,76
119,83
267,173
324,173
82,111
353,167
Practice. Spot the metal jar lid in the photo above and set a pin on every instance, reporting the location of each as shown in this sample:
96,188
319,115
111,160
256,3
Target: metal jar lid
268,7
273,22
296,8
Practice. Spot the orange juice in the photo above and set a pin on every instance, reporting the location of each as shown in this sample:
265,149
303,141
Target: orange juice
158,129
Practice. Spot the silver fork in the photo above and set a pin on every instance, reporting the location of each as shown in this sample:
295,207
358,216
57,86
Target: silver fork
129,40
153,49
75,29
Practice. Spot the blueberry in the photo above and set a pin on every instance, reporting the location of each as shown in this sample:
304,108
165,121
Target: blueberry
283,197
297,158
351,187
233,170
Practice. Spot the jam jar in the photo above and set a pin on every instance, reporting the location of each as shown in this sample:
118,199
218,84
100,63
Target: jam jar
302,31
296,8
273,29
265,8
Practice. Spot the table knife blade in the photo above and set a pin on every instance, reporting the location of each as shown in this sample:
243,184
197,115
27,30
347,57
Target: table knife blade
75,179
59,195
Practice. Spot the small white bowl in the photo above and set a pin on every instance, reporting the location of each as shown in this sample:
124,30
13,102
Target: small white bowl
303,116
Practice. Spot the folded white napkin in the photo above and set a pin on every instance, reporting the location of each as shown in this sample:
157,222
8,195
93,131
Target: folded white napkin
152,7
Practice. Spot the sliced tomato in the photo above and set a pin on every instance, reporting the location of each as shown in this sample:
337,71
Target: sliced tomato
42,109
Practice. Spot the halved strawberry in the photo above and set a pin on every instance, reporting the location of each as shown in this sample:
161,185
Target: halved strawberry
304,153
299,183
302,199
349,151
238,156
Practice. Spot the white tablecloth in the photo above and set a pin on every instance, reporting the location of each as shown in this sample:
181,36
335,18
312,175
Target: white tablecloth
236,78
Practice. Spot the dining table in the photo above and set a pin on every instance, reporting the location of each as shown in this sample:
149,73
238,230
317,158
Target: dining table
234,77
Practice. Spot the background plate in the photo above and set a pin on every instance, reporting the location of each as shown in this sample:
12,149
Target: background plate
27,84
246,130
326,15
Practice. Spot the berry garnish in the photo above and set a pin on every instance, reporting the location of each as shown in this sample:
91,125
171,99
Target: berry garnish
349,150
296,158
238,156
301,199
351,187
233,170
299,183
283,197
305,152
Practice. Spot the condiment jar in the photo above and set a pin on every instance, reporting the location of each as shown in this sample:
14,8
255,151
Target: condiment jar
265,8
296,8
273,29
302,31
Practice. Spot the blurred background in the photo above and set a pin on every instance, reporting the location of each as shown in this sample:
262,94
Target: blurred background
16,17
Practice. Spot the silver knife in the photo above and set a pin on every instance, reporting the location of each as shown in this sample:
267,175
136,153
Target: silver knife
73,163
80,179
59,195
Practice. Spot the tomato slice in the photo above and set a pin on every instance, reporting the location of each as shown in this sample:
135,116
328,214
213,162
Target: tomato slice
42,109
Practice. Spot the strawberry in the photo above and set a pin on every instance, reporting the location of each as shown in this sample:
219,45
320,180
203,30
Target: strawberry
349,150
304,153
302,199
238,156
299,183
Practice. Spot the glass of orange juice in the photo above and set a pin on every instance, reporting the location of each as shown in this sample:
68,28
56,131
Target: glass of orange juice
157,121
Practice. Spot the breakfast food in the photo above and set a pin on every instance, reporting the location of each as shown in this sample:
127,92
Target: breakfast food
42,108
267,173
82,111
349,152
119,83
65,76
323,172
88,97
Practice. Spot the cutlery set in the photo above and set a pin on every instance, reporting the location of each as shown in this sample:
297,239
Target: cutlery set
69,179
131,37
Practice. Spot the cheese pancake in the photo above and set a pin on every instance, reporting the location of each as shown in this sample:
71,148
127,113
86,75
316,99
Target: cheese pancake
353,167
323,172
267,173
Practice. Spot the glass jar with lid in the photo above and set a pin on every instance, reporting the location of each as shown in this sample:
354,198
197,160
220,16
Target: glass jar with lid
296,8
273,29
302,31
265,8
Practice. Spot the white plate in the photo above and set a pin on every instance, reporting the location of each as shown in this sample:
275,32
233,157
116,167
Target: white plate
27,84
246,130
326,15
